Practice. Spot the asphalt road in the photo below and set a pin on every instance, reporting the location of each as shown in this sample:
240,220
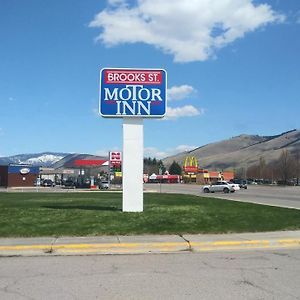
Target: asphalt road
273,274
271,195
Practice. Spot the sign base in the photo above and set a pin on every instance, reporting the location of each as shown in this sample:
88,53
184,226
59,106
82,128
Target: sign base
133,160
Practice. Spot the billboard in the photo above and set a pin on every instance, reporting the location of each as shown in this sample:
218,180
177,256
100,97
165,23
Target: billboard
133,93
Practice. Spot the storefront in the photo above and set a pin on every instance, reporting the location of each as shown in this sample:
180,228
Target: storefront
14,175
206,177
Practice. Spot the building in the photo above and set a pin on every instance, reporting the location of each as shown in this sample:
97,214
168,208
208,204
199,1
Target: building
167,178
207,177
14,175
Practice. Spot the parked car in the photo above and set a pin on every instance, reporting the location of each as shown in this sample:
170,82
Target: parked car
241,182
69,183
221,186
104,185
48,182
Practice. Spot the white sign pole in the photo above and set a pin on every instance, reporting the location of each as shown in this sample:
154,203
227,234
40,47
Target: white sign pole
132,169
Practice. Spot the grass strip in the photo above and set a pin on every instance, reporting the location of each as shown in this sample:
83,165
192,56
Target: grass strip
93,214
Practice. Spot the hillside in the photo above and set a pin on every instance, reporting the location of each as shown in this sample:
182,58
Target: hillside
45,159
48,159
241,151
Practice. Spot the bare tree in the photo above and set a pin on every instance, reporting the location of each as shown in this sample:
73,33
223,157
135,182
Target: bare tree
297,166
253,172
285,166
262,167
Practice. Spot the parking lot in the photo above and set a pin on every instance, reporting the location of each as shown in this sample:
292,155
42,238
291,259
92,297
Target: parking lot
283,196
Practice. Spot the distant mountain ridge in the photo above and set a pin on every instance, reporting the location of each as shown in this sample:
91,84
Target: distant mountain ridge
54,160
241,151
237,152
44,159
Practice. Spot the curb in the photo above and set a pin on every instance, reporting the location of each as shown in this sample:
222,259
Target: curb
144,247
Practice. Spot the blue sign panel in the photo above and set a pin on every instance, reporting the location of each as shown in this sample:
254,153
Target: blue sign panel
133,93
23,169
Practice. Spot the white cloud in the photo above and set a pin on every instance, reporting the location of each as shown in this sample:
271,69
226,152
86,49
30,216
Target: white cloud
117,2
183,111
190,30
184,148
180,92
155,152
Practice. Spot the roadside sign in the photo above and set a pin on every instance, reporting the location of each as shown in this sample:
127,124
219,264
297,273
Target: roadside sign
133,93
115,158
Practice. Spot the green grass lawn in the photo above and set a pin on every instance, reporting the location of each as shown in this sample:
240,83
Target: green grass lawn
91,214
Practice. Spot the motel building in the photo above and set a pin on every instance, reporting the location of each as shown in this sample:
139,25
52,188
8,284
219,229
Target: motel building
14,175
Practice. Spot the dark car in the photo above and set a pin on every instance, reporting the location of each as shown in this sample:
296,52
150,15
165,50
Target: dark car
70,183
48,182
241,182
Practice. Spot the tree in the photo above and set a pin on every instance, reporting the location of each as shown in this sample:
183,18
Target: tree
262,167
175,168
153,165
296,165
161,166
285,166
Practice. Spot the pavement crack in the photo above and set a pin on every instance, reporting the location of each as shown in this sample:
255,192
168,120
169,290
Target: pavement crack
51,250
188,242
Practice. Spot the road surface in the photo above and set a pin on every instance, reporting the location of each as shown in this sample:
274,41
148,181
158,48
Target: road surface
273,274
271,195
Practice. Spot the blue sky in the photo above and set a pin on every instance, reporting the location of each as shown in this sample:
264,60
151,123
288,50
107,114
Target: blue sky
233,68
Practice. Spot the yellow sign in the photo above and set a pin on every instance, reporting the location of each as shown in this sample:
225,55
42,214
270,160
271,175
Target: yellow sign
191,161
190,164
118,174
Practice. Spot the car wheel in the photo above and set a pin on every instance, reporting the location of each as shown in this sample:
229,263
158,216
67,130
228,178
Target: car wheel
206,190
226,190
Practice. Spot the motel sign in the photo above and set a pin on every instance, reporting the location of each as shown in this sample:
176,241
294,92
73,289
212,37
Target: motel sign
132,93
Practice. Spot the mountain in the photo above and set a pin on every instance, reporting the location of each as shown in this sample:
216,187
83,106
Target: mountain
45,159
49,159
241,151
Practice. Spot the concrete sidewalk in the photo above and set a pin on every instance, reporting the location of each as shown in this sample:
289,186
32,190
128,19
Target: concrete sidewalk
147,244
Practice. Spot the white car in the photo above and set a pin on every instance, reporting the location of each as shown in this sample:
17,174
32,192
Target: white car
104,185
221,186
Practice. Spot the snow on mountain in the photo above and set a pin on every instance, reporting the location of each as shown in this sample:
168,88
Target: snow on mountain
48,159
45,159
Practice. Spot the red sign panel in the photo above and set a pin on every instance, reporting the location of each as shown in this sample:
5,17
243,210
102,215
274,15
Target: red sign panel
190,169
115,158
132,77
